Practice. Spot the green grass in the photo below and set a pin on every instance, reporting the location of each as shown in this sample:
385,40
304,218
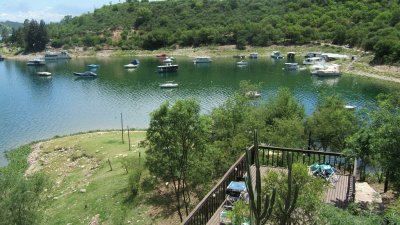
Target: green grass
80,162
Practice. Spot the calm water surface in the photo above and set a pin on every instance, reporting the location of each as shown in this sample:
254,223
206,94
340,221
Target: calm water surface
34,107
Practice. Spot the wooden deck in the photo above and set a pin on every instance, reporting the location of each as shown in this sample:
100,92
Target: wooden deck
337,193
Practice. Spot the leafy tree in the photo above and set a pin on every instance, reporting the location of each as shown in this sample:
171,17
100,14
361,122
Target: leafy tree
176,137
331,123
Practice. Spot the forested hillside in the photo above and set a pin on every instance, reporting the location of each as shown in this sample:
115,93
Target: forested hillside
371,25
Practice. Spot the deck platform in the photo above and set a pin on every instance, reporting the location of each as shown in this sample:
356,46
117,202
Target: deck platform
339,193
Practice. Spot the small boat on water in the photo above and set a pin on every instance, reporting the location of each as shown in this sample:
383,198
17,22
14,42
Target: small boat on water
169,84
313,60
131,66
202,59
239,56
253,55
253,94
56,55
93,66
168,60
350,107
291,66
44,74
36,62
241,63
134,64
291,55
276,55
325,70
86,74
1,58
168,67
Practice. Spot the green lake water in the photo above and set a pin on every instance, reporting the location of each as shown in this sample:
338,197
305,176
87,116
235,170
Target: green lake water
34,108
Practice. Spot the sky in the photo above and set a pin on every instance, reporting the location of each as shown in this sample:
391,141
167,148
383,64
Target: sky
48,10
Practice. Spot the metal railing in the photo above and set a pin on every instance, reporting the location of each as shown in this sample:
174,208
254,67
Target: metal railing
268,156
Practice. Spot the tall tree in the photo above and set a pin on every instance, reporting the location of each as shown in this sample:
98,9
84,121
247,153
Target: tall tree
176,137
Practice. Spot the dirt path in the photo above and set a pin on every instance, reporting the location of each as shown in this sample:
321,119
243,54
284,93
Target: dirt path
33,159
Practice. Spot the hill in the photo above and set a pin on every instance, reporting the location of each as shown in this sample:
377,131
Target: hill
366,24
7,27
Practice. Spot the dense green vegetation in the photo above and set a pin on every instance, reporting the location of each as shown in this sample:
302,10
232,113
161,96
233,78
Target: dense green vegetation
371,25
32,36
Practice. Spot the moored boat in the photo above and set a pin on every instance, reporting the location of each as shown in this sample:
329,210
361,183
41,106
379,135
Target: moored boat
202,59
253,94
36,62
56,55
1,58
168,60
85,74
241,63
276,55
291,66
253,55
44,74
313,60
168,67
134,64
93,66
169,84
350,107
325,70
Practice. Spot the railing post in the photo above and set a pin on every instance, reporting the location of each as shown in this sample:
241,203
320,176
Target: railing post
255,147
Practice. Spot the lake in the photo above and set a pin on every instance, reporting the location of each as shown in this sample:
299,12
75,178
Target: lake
34,108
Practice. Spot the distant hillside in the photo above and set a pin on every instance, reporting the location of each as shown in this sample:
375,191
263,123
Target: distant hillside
7,27
11,24
371,25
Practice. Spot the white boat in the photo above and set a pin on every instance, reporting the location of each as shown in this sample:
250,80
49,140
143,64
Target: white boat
168,60
169,84
44,74
292,66
36,62
93,66
253,94
313,60
202,59
325,70
350,107
276,55
56,55
168,67
241,63
131,66
253,55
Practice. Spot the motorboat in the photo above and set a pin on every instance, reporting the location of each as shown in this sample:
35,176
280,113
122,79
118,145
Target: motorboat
169,84
350,107
168,60
131,66
291,66
44,74
276,55
56,55
239,56
202,59
324,70
168,67
241,63
253,94
253,55
93,66
134,64
36,62
313,60
86,74
291,55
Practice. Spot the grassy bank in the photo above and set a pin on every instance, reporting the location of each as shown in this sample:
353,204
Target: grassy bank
82,184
